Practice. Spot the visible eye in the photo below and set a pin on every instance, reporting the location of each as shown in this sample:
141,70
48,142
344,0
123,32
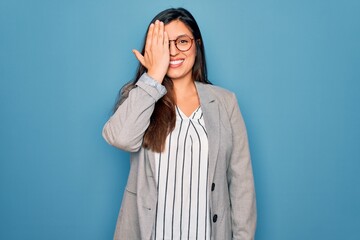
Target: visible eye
183,40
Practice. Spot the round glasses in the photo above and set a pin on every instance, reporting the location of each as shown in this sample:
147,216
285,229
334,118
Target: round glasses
182,43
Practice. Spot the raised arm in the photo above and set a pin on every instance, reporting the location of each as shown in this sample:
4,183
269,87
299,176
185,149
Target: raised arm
126,128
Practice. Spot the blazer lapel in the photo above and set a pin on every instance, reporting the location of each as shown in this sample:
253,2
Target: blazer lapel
210,109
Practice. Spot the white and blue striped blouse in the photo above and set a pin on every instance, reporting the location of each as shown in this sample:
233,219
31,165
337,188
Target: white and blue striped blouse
181,173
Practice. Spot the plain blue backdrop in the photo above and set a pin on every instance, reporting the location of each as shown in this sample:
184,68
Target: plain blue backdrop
294,65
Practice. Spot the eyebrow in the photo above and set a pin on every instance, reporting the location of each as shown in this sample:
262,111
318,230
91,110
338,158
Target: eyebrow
182,35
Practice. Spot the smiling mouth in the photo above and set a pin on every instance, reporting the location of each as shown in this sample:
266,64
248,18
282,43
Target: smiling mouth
176,62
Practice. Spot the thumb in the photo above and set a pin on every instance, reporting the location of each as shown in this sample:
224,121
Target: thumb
139,57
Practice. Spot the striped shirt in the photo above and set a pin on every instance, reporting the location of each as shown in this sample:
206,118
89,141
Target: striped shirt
181,173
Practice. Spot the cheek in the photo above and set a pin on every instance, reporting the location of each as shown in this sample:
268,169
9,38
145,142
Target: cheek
192,62
191,57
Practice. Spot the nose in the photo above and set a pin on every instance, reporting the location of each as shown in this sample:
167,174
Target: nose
172,48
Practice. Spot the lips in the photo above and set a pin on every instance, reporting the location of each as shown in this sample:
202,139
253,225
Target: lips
176,62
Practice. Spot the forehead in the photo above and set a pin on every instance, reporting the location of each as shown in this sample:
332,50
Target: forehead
176,28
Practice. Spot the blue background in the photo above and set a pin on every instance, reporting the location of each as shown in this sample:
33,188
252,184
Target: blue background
294,66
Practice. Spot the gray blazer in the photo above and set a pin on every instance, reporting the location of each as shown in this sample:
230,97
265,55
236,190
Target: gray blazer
231,184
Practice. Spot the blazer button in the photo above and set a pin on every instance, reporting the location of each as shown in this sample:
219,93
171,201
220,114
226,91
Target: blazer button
212,186
215,218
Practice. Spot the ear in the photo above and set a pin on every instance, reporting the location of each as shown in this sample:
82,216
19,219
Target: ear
198,41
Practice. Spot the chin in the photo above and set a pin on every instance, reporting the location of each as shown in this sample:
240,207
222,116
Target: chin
175,76
172,75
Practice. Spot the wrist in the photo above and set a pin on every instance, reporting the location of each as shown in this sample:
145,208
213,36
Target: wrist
156,76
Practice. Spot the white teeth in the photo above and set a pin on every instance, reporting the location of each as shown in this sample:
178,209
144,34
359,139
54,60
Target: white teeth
176,62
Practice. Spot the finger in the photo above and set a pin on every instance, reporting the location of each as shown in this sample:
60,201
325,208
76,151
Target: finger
156,32
149,36
166,40
139,57
161,33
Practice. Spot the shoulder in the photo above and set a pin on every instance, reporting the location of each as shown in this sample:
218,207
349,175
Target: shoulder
225,99
220,90
223,95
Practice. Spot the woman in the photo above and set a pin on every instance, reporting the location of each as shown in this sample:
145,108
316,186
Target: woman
190,175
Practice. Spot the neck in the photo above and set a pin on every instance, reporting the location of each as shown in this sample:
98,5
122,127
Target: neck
183,85
185,91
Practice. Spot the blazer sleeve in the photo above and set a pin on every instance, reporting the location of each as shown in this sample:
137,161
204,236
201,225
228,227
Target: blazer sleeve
126,128
240,180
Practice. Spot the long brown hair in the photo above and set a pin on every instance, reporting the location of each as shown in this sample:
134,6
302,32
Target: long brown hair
163,119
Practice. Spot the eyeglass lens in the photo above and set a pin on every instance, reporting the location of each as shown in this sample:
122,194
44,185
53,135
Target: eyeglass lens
183,43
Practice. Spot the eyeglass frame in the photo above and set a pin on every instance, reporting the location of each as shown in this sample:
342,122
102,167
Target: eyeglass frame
184,35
